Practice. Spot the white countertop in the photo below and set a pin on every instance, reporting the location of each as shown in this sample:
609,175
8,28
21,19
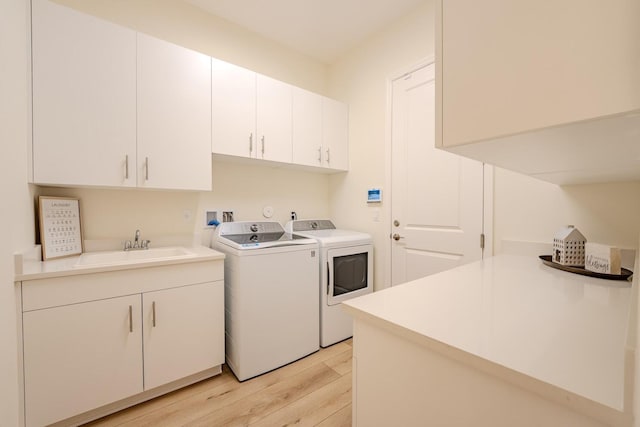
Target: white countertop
32,269
564,329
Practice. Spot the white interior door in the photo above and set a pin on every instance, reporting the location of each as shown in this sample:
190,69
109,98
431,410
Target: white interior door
437,197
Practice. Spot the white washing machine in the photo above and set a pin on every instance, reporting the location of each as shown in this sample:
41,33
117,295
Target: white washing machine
271,296
346,271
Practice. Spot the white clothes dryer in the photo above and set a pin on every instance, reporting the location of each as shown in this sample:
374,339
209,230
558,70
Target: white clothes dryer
346,271
271,296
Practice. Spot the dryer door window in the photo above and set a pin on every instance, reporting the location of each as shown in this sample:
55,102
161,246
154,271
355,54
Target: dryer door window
350,273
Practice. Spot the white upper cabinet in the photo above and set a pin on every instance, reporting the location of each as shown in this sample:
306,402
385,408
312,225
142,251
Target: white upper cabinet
174,116
307,128
320,131
273,119
335,134
114,108
233,110
255,116
546,89
84,99
251,114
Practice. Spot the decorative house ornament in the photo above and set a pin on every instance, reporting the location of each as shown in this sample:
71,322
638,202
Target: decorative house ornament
602,258
568,247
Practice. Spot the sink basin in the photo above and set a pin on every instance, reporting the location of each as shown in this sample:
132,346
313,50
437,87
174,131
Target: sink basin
93,259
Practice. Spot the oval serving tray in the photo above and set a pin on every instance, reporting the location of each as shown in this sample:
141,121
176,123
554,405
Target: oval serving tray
624,275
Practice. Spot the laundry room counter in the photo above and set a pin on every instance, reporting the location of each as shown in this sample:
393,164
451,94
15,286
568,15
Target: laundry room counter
491,341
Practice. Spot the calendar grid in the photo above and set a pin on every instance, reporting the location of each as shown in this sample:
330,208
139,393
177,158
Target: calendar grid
60,228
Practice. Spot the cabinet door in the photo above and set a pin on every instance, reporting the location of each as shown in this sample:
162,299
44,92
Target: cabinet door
307,128
335,134
233,110
174,116
72,352
84,99
273,119
183,332
501,75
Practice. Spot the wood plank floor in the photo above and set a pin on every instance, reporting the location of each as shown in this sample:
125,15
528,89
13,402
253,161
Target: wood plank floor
314,391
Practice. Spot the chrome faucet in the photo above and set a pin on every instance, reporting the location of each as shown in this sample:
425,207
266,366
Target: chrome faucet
137,243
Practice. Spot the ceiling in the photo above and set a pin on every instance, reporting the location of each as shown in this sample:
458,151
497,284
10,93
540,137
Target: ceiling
321,29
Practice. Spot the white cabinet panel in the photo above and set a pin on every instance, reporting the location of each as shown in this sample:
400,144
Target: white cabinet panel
89,340
79,357
251,114
559,102
115,108
335,134
174,116
233,110
84,99
307,128
183,332
273,119
320,131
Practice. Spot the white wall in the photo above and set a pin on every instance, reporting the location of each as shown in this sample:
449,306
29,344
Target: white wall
186,25
527,209
116,214
360,79
17,205
244,189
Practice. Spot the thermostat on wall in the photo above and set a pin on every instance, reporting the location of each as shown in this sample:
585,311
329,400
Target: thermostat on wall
374,195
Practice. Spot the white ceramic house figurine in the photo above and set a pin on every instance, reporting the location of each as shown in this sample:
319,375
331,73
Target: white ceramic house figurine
568,247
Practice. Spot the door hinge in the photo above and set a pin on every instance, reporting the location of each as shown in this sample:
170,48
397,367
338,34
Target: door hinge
482,241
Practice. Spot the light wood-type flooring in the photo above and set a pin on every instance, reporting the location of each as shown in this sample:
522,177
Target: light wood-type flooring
314,391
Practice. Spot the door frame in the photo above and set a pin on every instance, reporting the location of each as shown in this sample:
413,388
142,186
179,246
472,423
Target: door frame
487,173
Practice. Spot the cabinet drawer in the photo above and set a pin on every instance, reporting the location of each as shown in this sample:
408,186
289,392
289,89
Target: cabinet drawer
43,293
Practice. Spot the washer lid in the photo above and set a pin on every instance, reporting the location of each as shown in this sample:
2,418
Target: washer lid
256,235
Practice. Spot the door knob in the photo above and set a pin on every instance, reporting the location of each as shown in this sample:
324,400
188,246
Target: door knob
397,237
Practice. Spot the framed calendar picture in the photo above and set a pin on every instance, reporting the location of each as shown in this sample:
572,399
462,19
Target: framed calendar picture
60,228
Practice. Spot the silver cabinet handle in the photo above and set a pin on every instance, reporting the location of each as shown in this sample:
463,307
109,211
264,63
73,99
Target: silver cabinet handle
130,318
250,143
146,169
262,146
126,166
319,154
328,159
153,313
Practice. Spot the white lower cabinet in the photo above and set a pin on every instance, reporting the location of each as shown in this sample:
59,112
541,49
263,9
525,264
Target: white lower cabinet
81,356
180,336
96,339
